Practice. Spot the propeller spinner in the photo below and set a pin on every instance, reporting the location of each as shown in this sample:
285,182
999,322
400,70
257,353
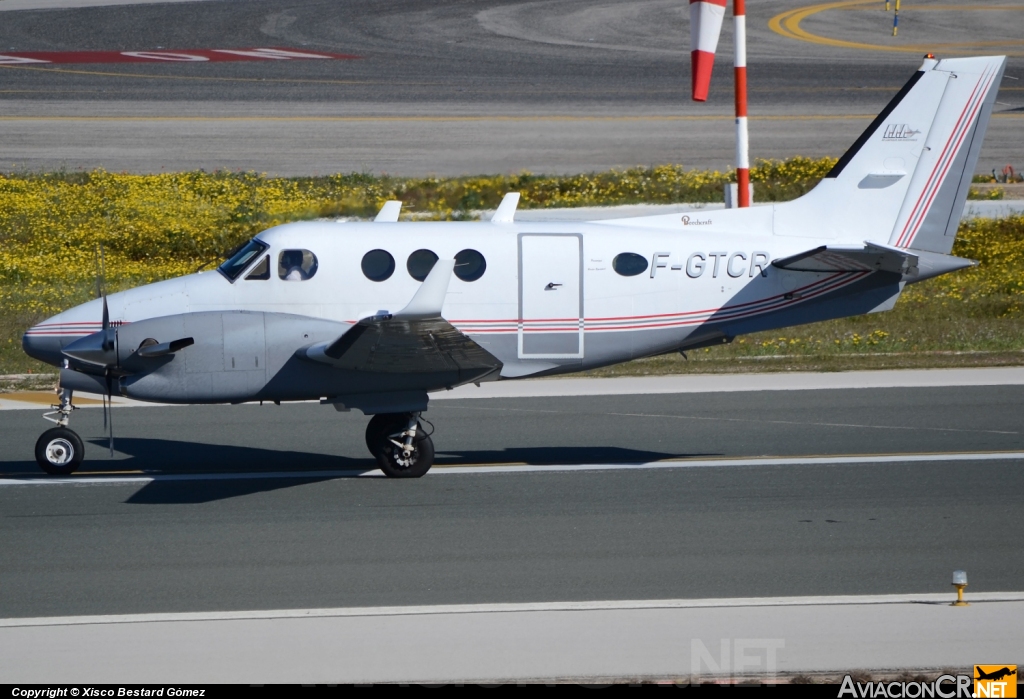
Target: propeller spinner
98,349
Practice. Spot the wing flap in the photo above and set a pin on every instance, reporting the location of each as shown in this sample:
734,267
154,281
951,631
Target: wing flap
399,346
416,340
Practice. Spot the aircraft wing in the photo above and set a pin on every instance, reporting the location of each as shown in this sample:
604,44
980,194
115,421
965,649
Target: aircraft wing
873,257
416,340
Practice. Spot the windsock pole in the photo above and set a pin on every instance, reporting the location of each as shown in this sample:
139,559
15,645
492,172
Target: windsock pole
740,72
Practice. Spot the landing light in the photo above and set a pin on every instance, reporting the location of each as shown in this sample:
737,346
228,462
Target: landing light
959,582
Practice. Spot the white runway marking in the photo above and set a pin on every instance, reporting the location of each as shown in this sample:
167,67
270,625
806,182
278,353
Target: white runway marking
707,418
532,468
508,608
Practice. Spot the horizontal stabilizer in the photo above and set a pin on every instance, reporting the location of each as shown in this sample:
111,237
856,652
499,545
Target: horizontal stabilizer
913,266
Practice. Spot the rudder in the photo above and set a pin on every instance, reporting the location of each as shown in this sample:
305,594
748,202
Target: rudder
930,215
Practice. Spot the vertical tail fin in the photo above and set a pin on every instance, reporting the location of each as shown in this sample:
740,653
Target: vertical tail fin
904,181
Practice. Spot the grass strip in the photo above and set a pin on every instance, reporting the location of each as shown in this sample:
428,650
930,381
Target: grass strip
154,227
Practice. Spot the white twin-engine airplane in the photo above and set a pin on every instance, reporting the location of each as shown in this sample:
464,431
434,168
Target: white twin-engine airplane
376,315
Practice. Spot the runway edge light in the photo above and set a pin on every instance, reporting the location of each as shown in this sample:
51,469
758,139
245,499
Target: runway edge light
959,582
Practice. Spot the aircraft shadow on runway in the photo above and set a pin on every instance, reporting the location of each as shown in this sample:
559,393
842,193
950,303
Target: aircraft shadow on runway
163,457
557,455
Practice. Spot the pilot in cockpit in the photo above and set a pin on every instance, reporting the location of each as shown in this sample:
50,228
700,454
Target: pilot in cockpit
290,266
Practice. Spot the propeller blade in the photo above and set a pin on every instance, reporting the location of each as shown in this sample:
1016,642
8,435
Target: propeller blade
109,336
98,348
111,408
100,272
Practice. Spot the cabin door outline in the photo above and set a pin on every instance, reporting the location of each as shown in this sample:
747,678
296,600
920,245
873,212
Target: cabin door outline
551,316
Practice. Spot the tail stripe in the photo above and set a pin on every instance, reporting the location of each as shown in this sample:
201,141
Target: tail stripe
919,210
949,161
945,161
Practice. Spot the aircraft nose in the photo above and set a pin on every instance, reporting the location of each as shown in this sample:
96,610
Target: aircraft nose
43,342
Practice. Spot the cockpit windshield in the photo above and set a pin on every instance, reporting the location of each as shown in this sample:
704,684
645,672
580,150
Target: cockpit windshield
237,263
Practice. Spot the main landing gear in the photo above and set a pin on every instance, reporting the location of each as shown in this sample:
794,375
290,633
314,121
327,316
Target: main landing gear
402,447
59,451
398,441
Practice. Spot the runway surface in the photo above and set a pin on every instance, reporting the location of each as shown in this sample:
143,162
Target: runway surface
455,88
739,526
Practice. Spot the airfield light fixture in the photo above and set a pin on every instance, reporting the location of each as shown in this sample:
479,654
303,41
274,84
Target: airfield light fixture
959,582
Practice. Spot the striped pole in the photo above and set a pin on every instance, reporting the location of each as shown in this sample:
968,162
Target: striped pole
740,72
896,19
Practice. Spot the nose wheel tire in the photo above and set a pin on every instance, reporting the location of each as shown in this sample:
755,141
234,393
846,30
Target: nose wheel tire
386,436
59,451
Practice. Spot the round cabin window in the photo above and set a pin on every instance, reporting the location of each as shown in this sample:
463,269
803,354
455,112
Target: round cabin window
378,265
629,264
470,265
420,263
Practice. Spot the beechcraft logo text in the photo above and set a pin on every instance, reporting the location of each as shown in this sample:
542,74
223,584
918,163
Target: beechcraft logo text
995,681
899,132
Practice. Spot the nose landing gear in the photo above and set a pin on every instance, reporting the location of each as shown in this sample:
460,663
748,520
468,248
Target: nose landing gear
402,447
59,450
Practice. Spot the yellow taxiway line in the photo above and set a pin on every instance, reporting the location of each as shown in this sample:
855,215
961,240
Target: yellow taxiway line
787,24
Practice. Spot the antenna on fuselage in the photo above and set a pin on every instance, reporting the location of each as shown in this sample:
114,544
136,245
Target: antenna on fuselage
389,212
506,209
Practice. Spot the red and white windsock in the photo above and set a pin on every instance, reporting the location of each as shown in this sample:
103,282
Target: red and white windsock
705,27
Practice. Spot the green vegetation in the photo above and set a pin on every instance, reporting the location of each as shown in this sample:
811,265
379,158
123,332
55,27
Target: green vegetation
158,226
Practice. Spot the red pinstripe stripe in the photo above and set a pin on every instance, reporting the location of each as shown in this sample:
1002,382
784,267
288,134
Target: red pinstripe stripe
911,220
949,161
746,304
918,212
789,302
834,283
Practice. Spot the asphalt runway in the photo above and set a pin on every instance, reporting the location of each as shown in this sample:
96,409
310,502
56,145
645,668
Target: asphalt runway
470,87
194,540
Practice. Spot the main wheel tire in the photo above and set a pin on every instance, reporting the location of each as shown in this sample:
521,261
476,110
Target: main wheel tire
380,423
391,458
59,451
